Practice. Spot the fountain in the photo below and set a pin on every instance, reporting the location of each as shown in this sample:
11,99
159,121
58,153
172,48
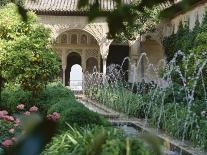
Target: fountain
179,77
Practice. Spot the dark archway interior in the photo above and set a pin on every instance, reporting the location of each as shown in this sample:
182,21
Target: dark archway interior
90,64
72,59
116,55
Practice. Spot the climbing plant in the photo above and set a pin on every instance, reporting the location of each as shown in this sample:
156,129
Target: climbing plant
190,42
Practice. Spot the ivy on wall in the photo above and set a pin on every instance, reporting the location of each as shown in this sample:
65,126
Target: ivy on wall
187,40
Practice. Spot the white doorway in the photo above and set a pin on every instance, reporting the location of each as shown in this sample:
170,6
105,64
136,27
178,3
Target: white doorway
76,78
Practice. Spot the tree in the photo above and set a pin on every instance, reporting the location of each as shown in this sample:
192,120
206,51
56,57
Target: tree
26,55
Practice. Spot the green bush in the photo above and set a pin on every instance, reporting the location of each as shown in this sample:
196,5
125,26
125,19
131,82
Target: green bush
97,141
12,96
81,116
63,104
74,112
52,94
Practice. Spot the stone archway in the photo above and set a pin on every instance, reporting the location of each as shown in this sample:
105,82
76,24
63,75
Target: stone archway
91,64
80,42
72,59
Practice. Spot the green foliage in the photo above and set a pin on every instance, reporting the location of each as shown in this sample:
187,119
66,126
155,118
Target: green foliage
75,113
52,94
81,116
12,96
131,104
4,2
183,40
26,54
98,140
4,130
170,114
54,98
193,45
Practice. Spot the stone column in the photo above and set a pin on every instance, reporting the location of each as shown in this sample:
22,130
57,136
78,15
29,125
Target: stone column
104,50
104,59
104,54
64,64
64,68
83,60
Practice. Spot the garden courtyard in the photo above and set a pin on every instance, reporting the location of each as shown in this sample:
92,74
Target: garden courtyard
103,77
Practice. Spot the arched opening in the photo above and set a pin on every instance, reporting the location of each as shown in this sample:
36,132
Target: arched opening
153,60
76,77
117,55
79,47
72,59
91,63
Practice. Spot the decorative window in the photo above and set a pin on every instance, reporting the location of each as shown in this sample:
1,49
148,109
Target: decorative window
74,39
83,39
64,39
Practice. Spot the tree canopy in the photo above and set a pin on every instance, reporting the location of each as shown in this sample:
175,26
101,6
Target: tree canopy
26,55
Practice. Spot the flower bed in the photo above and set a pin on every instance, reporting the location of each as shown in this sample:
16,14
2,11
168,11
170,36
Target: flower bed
12,127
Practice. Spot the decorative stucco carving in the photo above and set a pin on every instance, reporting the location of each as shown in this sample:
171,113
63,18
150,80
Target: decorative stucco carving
91,53
98,31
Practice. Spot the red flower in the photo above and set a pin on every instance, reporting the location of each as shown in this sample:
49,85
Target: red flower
33,109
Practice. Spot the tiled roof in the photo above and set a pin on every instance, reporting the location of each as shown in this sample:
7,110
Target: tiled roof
66,6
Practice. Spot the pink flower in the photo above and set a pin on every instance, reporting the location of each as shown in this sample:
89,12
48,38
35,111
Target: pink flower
14,139
54,116
20,106
11,130
8,118
7,143
3,113
17,121
27,113
33,109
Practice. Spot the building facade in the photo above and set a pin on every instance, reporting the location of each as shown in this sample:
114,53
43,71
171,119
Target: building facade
79,42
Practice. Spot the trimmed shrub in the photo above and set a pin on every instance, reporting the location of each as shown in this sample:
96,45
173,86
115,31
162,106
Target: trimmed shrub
81,116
